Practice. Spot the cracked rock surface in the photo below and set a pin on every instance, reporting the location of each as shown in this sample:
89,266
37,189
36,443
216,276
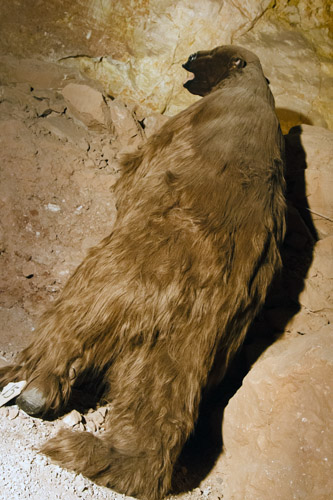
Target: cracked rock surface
135,49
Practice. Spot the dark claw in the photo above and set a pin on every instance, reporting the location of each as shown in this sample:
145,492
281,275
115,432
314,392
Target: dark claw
41,395
32,401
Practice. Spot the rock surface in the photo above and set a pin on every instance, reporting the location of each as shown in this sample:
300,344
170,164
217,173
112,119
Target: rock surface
317,293
88,105
135,50
310,181
126,127
278,428
311,151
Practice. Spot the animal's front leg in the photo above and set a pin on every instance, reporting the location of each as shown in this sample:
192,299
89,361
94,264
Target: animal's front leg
49,365
68,336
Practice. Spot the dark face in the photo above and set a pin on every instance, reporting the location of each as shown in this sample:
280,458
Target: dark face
210,67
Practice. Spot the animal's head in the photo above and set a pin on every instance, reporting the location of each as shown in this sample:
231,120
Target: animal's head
210,67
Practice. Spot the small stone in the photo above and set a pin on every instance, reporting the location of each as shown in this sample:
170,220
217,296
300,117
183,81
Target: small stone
103,410
94,421
153,123
127,128
72,418
80,483
13,413
206,491
91,426
52,207
4,412
88,105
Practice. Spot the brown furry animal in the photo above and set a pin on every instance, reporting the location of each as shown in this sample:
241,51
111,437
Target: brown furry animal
160,306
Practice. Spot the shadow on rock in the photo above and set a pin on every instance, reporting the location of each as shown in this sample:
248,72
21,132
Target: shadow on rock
290,118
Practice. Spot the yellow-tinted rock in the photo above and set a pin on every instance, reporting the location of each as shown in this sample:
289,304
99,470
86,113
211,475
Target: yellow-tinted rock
135,49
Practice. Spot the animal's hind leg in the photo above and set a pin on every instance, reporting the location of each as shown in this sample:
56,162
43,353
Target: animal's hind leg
154,409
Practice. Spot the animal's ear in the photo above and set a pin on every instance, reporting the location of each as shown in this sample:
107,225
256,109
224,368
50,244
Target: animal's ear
238,63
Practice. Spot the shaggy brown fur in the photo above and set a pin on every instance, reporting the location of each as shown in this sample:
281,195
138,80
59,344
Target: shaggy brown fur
161,305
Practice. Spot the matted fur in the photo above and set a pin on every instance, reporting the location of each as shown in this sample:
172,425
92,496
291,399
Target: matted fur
161,305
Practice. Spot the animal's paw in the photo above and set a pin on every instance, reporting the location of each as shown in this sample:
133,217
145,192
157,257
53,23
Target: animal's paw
41,396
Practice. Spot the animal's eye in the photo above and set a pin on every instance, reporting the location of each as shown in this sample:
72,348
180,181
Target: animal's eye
238,63
192,57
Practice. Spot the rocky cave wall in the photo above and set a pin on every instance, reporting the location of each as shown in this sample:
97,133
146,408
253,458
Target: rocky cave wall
135,48
78,81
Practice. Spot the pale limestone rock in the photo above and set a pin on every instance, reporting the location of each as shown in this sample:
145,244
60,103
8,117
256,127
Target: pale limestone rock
72,418
295,55
318,290
153,123
311,159
324,227
318,146
135,49
306,322
95,419
278,428
295,46
103,410
291,65
90,426
126,128
66,130
314,18
87,105
159,37
13,413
